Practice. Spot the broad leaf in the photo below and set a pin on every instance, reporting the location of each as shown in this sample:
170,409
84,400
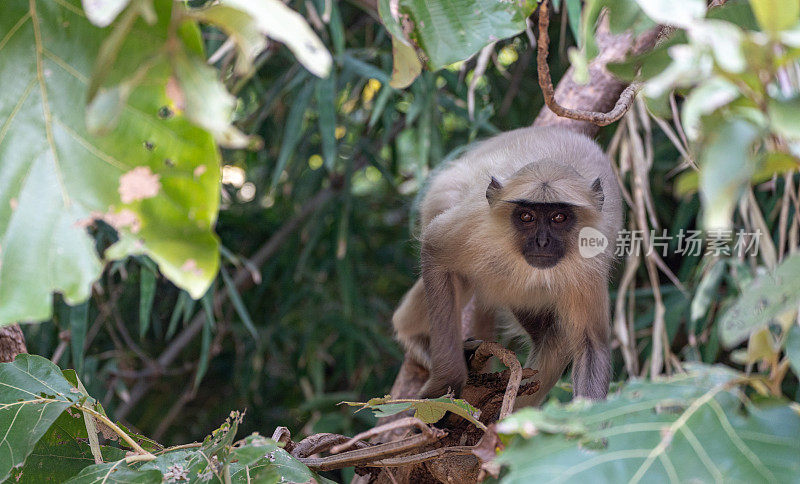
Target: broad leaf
762,302
62,452
154,176
33,393
283,24
115,473
691,428
725,167
450,31
776,15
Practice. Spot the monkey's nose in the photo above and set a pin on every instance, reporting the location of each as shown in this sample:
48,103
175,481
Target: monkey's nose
542,241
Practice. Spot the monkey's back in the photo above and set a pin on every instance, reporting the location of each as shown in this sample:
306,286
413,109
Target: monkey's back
465,179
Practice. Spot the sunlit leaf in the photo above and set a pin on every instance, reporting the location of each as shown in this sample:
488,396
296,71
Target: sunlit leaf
283,24
155,178
680,13
725,168
776,15
406,65
103,12
705,99
205,100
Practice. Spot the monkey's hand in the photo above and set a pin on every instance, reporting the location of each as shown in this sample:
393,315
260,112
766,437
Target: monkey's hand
448,380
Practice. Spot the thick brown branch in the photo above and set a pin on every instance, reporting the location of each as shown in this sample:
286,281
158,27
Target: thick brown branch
545,82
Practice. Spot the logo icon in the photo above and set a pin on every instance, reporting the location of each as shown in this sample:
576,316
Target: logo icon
591,242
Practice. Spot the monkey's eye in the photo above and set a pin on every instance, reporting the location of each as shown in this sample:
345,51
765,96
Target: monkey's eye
526,217
558,218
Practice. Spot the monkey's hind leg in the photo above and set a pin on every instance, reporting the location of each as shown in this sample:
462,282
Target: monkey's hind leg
411,326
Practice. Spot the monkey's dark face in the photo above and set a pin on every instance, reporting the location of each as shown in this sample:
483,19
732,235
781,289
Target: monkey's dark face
544,230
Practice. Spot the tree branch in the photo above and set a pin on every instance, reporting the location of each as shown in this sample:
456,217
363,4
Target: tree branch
546,83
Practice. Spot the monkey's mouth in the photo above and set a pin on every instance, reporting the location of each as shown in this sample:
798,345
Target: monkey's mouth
542,261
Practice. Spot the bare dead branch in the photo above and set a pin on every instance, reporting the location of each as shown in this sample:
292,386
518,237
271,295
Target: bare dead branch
371,454
407,422
316,443
546,83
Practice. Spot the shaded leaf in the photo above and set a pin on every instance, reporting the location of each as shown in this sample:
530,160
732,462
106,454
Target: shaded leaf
690,428
33,393
450,31
764,300
725,168
62,452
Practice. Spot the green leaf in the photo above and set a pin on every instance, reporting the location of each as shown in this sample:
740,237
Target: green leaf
238,304
177,313
725,168
205,341
706,291
406,66
766,298
156,180
147,293
450,31
784,117
241,27
33,393
263,461
703,100
792,348
776,15
324,93
292,132
574,17
626,15
772,163
690,428
205,100
115,473
62,452
78,323
427,410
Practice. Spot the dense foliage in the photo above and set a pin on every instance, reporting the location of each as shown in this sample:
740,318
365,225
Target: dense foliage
328,131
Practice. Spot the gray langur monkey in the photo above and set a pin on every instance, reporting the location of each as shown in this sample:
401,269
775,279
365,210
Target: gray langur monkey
501,225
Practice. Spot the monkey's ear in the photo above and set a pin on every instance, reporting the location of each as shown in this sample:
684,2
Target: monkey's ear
493,191
597,188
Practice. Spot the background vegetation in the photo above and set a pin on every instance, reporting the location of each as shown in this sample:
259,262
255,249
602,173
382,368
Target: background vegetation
317,226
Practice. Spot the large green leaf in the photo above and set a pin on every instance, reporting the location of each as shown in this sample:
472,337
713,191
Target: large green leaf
726,165
33,393
453,30
766,298
691,428
154,176
62,452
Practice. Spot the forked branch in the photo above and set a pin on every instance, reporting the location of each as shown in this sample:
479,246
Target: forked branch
546,83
